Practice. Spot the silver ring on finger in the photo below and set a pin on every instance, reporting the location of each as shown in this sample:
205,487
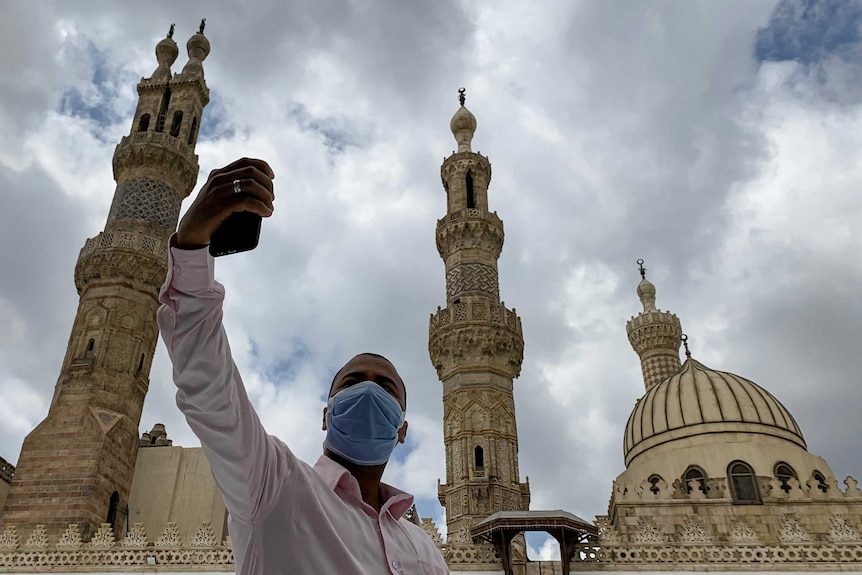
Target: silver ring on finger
237,187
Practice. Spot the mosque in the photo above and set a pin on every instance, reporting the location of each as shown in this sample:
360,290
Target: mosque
718,475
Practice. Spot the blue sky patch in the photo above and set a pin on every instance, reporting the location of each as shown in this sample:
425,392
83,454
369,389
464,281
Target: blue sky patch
809,31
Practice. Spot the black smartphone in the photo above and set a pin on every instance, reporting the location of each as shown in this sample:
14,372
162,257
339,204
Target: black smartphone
240,232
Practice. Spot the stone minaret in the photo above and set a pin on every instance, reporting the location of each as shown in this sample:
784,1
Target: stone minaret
76,466
655,336
476,346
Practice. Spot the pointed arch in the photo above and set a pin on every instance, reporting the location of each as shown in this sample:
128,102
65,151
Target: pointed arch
696,474
743,483
163,110
471,196
177,123
144,123
193,132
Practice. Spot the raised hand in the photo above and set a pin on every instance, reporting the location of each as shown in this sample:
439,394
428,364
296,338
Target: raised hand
218,198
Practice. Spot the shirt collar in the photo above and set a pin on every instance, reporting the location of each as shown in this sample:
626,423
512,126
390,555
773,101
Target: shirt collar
397,502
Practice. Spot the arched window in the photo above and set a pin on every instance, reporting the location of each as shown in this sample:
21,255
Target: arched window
144,123
479,458
471,200
654,480
141,365
163,110
821,482
743,485
194,131
177,122
113,508
90,346
695,474
784,473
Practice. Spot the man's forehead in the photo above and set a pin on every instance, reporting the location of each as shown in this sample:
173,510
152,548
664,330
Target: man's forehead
365,362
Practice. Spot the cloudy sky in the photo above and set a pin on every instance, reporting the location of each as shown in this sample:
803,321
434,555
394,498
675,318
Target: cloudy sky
718,141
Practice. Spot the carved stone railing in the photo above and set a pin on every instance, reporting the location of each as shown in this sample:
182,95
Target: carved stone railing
480,311
834,556
470,213
126,240
7,470
159,138
135,550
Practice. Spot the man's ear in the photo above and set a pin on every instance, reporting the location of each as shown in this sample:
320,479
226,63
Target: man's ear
324,418
402,433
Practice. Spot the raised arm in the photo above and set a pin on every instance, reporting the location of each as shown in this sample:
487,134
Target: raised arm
244,459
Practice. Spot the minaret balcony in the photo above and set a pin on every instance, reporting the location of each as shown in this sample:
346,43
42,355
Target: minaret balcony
162,139
131,255
470,229
476,334
470,214
484,312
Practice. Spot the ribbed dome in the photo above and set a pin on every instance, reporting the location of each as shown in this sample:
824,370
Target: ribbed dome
698,400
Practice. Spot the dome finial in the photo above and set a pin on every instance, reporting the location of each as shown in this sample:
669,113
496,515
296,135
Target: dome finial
198,48
463,125
684,339
646,291
166,55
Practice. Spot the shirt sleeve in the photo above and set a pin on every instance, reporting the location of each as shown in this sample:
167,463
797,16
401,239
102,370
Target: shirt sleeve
248,464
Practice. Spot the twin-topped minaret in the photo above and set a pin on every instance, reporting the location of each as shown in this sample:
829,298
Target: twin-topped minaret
476,346
77,465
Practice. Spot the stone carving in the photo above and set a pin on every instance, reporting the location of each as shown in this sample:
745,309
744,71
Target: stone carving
607,534
462,535
431,529
647,532
205,536
693,530
502,347
741,532
134,266
137,537
146,199
177,160
170,537
657,368
853,490
481,234
228,543
71,538
9,539
104,537
472,279
791,531
38,539
105,418
839,530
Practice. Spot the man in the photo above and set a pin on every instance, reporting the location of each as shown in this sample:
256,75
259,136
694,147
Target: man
335,518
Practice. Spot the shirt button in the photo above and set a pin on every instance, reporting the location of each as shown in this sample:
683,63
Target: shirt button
396,565
176,270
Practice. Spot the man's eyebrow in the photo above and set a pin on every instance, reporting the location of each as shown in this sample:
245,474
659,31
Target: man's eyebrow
361,374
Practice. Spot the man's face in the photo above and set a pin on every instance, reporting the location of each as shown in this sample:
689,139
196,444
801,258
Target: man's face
371,368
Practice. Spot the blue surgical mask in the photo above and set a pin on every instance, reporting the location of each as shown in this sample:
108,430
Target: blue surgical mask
362,423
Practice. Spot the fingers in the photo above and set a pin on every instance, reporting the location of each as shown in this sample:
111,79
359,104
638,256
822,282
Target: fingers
251,179
245,162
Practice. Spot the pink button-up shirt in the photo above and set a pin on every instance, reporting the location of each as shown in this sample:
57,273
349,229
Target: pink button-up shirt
285,516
